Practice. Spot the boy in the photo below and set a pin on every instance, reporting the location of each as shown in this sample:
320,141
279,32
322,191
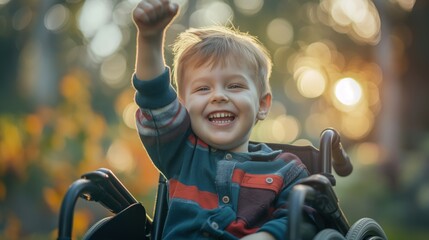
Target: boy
220,185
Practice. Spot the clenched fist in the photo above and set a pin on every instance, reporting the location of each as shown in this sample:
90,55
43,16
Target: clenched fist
152,17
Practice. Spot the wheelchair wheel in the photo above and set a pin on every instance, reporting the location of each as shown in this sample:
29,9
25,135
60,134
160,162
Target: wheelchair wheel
366,229
329,234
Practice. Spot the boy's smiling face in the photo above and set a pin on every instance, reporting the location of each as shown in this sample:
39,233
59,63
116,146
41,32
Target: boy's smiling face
224,104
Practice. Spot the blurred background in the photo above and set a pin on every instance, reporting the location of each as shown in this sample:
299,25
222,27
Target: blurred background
66,104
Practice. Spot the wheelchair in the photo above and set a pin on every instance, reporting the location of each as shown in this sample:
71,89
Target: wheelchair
314,211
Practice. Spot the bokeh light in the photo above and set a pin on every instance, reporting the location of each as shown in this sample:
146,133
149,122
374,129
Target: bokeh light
129,115
120,157
56,17
406,4
368,153
22,18
285,129
4,2
249,7
211,13
311,82
357,18
113,71
121,13
93,15
357,125
348,91
280,31
282,128
106,41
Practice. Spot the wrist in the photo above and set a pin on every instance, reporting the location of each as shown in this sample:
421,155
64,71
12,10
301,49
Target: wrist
150,38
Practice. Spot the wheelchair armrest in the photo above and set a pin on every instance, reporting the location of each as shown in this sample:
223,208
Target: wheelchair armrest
111,185
316,191
103,187
130,223
118,186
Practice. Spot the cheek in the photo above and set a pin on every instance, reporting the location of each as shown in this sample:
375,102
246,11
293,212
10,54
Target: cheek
194,106
250,103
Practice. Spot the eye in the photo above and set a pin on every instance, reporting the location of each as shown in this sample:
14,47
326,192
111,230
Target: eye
201,89
235,86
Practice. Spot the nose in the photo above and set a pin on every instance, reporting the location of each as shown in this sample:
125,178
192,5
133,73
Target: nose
219,96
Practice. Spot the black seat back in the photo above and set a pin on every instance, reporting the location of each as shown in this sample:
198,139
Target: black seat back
309,155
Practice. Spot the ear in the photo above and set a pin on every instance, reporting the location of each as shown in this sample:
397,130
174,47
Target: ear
264,106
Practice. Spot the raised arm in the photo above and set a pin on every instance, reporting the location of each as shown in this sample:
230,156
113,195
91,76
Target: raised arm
152,18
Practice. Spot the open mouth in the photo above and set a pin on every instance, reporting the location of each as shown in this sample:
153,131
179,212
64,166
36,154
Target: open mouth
221,118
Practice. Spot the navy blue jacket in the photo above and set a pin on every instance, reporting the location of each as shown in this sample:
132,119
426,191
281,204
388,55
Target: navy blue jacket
212,193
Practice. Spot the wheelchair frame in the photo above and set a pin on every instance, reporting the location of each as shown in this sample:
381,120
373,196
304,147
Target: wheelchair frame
316,190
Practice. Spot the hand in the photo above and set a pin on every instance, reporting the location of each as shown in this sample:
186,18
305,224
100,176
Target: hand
152,17
258,236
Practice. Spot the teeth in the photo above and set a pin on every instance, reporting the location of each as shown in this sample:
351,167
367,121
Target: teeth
221,122
220,115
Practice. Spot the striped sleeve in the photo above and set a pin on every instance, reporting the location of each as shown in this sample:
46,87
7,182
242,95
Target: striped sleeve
154,93
153,122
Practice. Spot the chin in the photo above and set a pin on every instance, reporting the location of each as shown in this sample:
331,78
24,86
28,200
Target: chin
227,146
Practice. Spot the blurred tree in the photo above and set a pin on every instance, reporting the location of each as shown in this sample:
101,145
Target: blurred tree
10,43
414,80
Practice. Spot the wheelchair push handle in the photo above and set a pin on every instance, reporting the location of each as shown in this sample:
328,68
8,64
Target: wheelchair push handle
331,148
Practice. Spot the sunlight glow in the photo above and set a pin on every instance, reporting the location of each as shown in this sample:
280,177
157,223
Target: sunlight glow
348,91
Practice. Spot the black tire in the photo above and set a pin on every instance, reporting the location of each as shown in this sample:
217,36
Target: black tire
365,228
329,234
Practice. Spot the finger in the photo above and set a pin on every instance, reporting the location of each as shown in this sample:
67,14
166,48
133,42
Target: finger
140,15
169,8
173,8
149,11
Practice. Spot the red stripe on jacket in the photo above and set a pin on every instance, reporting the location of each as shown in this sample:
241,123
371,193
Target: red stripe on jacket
206,200
263,181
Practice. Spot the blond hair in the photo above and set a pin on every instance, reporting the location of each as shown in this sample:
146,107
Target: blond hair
218,45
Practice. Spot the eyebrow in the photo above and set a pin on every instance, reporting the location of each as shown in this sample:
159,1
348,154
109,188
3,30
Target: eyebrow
226,76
